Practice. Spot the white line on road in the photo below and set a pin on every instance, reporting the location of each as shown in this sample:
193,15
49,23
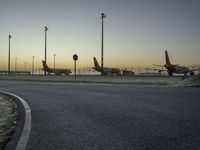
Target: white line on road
27,123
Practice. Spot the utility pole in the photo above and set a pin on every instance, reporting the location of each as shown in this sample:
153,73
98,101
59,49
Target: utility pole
9,37
45,29
102,17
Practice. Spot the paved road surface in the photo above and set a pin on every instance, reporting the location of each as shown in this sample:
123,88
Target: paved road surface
110,117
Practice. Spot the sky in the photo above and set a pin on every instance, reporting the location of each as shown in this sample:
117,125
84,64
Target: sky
136,32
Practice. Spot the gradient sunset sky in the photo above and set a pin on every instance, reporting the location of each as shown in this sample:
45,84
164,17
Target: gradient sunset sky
136,32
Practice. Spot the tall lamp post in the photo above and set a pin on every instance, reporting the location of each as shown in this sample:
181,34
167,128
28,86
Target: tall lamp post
9,37
54,62
15,64
102,17
45,57
33,65
25,66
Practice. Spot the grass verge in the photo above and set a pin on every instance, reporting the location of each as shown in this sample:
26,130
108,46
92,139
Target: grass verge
190,82
8,115
98,79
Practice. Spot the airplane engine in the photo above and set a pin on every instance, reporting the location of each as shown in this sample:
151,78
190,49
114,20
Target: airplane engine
191,73
170,73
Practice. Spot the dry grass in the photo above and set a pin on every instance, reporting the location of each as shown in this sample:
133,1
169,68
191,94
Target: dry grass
190,82
98,79
8,114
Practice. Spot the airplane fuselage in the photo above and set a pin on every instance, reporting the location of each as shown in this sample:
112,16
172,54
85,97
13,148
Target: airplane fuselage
60,71
55,71
106,70
176,69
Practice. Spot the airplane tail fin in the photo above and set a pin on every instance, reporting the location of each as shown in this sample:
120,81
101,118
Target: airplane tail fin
96,64
45,66
167,58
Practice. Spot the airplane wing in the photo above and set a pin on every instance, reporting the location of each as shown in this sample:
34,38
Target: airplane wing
158,65
154,69
194,69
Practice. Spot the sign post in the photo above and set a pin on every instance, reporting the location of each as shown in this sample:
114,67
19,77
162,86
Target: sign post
75,57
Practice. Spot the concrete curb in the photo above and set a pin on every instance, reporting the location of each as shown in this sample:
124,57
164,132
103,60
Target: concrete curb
27,123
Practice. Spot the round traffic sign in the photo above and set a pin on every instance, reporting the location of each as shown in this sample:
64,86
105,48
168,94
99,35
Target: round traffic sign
75,57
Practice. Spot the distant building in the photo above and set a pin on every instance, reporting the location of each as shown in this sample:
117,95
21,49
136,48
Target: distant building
15,72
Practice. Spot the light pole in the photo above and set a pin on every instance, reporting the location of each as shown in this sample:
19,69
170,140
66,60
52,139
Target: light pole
9,37
25,66
33,65
54,62
102,17
45,57
15,64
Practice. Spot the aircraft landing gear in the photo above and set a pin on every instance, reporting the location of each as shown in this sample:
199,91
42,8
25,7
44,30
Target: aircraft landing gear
170,73
191,73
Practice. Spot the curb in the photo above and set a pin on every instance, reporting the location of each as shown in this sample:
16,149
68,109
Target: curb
21,145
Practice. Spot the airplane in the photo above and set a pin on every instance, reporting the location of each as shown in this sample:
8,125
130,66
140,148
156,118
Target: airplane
105,70
175,68
55,71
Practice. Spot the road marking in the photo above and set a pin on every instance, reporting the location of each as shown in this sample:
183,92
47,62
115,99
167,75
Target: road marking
27,123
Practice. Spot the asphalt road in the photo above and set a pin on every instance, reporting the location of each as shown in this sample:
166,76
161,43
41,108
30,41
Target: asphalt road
110,117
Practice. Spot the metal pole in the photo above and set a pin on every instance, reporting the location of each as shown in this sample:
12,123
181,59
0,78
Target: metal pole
15,64
45,71
75,58
33,65
54,61
75,69
102,48
25,66
9,37
102,17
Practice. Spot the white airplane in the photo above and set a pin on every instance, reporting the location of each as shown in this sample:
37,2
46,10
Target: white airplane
105,70
55,71
175,68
